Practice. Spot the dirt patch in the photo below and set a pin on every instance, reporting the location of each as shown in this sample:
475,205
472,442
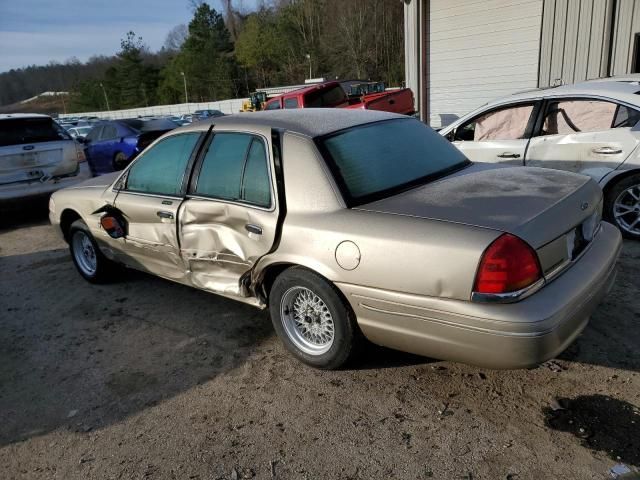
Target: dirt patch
144,378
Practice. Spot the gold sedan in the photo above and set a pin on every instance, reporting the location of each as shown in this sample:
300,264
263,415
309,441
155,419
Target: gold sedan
350,225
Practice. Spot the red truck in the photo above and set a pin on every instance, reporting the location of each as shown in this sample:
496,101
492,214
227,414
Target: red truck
332,95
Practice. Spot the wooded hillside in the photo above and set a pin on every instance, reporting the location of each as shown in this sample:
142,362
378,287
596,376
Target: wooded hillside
228,54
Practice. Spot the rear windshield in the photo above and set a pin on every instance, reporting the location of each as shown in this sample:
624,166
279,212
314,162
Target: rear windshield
18,131
326,98
380,159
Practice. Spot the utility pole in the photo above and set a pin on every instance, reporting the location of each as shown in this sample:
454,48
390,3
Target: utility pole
106,99
184,79
309,58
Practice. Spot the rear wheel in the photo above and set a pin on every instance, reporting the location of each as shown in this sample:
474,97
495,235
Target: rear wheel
313,321
622,206
120,160
87,257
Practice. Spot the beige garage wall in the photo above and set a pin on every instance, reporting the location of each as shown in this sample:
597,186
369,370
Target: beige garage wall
575,40
478,50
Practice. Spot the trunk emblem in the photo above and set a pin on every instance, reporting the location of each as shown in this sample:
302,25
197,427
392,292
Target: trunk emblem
584,206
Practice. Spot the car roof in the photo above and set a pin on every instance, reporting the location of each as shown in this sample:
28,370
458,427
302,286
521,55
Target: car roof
618,90
9,116
311,122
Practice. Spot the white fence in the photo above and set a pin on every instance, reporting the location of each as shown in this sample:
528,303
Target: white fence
225,106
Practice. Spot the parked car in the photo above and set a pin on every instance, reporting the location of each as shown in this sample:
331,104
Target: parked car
37,157
347,222
589,128
111,145
81,132
332,95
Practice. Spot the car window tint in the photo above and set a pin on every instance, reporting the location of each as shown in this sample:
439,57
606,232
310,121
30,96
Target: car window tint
255,186
273,106
575,116
503,124
108,132
626,117
17,131
374,158
326,98
94,134
291,102
161,168
221,171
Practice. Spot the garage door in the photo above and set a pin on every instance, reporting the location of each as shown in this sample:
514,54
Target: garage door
479,50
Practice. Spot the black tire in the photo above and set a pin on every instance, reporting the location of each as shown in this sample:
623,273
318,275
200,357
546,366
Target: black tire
347,338
625,221
120,161
104,268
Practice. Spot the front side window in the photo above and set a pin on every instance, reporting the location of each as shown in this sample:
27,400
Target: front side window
273,105
504,124
564,117
160,170
235,168
371,161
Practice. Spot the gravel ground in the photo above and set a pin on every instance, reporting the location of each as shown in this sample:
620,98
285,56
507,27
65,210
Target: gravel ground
148,379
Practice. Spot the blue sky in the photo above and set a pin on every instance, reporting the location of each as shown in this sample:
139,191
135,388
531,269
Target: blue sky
39,31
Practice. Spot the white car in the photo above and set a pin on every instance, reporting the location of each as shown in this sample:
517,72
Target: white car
590,128
81,132
37,157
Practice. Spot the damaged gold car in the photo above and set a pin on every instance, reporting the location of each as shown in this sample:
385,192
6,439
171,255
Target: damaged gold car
350,225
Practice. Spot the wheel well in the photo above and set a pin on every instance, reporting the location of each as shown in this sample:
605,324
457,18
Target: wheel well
617,179
272,272
269,276
66,219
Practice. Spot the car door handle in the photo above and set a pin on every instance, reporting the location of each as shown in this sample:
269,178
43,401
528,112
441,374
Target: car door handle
607,150
508,155
163,214
251,228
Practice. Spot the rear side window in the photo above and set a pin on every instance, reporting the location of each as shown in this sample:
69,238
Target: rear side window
108,132
19,131
255,181
291,102
273,106
565,117
326,98
94,134
504,124
161,169
235,168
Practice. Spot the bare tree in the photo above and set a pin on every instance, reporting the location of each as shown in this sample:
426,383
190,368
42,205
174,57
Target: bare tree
176,37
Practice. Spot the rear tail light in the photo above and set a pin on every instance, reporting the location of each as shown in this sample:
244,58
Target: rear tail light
508,265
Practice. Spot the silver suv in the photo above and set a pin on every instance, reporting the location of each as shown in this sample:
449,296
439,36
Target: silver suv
37,157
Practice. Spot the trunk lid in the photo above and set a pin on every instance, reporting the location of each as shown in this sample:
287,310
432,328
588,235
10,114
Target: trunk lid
37,161
538,205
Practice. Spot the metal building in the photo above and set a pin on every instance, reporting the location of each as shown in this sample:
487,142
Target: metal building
460,54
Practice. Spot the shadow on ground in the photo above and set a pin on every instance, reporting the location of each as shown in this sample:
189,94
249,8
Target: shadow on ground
79,357
601,423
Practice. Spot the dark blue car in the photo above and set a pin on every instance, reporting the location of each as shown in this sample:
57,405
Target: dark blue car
111,145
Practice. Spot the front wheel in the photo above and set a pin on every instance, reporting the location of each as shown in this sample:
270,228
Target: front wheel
313,321
622,206
87,257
